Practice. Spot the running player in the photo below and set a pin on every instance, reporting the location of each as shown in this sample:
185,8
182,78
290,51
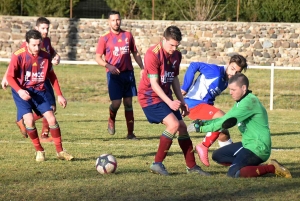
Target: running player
42,25
28,70
155,97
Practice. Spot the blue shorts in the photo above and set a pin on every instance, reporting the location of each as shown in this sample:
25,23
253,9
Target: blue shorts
236,155
122,85
38,103
157,112
49,92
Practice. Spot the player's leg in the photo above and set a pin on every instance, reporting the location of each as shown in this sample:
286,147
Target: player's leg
56,136
244,163
24,109
115,95
206,112
129,90
129,118
186,146
44,107
161,113
227,154
44,137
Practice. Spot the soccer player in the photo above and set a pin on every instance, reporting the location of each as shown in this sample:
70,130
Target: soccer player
200,96
155,97
245,157
117,45
42,25
28,70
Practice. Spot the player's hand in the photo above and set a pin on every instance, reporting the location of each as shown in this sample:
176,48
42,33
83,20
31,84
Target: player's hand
112,69
184,110
198,123
56,60
24,94
62,101
175,105
183,92
4,83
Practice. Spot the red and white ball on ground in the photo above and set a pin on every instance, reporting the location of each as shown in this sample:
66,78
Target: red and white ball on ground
106,164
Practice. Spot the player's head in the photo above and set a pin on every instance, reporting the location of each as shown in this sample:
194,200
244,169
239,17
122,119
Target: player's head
33,41
114,21
171,39
42,25
238,85
236,64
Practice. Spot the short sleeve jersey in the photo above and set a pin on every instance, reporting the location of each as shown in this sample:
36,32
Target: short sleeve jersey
117,49
160,64
30,71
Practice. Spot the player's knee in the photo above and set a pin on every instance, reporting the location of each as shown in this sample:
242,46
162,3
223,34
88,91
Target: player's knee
128,107
173,128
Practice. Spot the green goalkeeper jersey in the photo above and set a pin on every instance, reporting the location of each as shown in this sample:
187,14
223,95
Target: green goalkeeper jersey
252,122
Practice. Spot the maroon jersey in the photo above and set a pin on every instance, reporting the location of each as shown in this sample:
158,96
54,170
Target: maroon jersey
117,48
45,45
29,71
158,63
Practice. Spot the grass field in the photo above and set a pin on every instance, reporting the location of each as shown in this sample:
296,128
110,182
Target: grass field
83,124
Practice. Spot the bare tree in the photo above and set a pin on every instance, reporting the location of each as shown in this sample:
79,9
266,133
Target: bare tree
200,10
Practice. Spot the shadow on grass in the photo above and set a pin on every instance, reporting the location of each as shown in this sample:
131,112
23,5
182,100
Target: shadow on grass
285,133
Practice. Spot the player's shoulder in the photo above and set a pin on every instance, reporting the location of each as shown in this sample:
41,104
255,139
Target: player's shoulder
20,51
105,34
44,53
155,49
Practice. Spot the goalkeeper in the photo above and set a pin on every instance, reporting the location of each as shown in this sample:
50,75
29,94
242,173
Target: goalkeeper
245,157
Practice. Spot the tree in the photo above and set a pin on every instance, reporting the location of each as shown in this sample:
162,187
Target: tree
200,10
9,7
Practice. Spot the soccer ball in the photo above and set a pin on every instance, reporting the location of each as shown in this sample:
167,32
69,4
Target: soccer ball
106,164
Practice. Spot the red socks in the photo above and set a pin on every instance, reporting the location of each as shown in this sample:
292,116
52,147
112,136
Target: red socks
210,138
129,121
165,143
56,136
256,171
186,146
35,139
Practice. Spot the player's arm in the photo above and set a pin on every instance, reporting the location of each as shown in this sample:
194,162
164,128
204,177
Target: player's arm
139,61
154,81
152,64
4,82
188,79
56,59
177,92
54,81
100,51
54,55
12,80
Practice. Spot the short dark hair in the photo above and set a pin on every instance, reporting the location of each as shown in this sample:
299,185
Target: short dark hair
240,61
113,12
240,80
42,20
173,32
33,34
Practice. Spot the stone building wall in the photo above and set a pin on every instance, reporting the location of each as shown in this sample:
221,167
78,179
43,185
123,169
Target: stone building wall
214,42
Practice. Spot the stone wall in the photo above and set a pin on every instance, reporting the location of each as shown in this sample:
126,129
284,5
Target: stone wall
214,42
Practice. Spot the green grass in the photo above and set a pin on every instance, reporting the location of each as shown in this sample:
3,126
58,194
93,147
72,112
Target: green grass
83,124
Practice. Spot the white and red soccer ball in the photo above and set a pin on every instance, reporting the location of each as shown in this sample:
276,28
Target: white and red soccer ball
106,164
